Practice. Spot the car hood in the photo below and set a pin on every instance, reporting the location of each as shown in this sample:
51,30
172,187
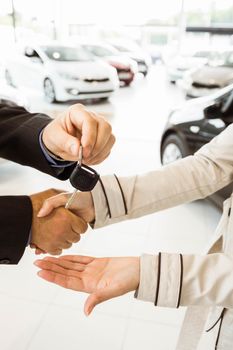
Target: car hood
194,109
139,56
83,69
219,76
118,60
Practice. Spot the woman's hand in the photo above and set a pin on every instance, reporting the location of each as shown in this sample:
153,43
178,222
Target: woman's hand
102,278
82,205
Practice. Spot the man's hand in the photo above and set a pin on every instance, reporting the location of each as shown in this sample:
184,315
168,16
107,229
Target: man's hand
102,278
56,231
77,125
82,205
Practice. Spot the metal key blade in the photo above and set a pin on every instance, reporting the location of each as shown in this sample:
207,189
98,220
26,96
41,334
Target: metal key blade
70,200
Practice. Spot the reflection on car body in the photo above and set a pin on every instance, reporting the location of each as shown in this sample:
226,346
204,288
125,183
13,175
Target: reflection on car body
194,124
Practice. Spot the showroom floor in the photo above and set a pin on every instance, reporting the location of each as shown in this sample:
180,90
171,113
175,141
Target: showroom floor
35,315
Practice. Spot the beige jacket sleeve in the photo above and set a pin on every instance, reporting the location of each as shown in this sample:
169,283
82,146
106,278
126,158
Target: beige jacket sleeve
117,199
174,280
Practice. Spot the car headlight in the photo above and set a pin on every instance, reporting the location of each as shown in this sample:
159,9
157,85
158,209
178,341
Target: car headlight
67,76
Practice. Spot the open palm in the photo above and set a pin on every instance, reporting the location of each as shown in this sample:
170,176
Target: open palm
102,278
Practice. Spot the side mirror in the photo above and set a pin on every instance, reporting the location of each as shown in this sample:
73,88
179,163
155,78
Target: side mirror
213,112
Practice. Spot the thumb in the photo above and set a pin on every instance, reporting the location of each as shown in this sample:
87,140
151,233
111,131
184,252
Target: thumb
68,145
52,203
96,298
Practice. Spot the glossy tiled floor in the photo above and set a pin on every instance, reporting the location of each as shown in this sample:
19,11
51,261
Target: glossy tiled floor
35,315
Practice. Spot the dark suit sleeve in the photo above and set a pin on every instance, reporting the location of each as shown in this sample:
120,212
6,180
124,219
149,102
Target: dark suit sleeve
19,139
19,142
15,225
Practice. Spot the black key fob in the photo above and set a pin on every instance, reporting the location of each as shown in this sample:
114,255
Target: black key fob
84,178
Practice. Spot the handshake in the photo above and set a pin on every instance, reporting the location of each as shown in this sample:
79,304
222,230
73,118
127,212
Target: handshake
55,228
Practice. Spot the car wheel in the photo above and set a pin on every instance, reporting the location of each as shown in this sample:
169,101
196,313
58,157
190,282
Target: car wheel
8,78
173,148
49,91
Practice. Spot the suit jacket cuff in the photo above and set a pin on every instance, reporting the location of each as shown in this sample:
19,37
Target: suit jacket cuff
109,201
160,279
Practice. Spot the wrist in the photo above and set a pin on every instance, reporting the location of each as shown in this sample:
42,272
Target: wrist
48,147
84,207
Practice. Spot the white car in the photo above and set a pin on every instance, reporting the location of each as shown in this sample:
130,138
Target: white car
179,65
63,72
216,74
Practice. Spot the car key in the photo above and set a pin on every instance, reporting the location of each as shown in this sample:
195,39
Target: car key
83,178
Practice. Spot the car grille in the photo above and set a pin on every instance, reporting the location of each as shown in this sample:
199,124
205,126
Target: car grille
104,80
95,92
124,70
210,86
140,61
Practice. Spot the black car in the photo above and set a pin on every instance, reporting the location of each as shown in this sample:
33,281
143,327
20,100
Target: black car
193,125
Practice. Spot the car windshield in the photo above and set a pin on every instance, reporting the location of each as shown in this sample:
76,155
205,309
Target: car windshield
67,53
224,59
101,51
202,54
122,48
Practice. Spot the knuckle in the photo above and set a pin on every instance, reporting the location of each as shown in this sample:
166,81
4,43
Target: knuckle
55,190
77,239
84,227
55,252
113,139
108,127
66,245
76,106
63,216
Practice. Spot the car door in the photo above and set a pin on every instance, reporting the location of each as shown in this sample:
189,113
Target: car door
205,129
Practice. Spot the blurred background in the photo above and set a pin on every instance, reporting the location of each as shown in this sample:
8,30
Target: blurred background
162,74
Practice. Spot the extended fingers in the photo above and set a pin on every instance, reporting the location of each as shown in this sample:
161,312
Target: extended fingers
65,264
80,259
62,280
57,265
